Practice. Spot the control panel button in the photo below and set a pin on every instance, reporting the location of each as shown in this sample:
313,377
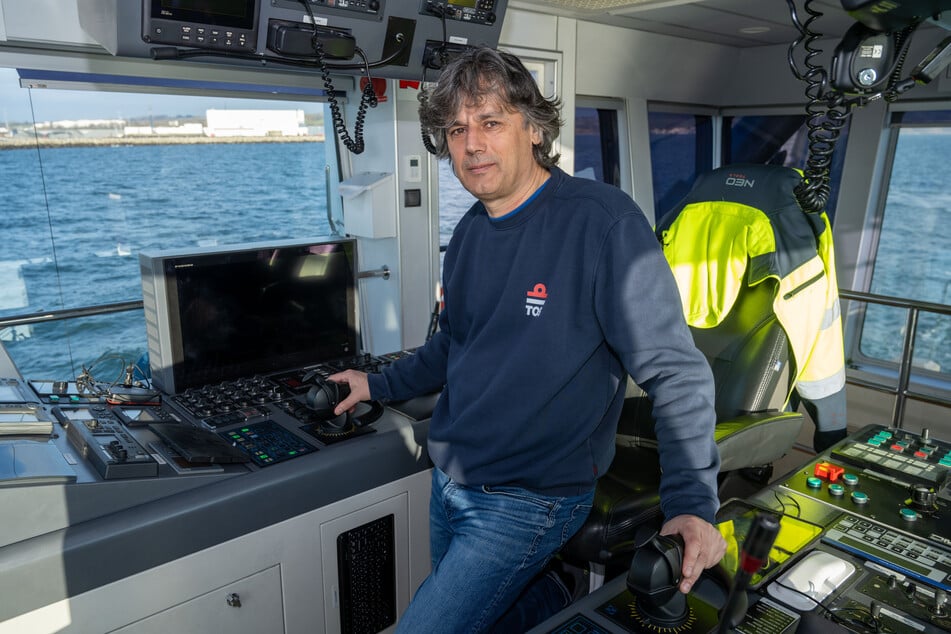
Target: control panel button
859,498
828,471
908,514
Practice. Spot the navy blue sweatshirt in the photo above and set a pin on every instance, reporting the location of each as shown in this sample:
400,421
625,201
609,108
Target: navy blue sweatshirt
546,311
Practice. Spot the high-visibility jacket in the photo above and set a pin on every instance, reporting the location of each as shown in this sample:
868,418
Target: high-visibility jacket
741,225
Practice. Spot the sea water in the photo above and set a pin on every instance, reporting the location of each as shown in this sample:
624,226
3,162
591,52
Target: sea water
74,220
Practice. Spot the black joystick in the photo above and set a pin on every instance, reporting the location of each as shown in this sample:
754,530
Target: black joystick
323,397
654,578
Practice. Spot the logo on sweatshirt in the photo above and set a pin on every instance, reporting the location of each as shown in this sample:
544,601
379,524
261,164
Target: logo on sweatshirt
535,300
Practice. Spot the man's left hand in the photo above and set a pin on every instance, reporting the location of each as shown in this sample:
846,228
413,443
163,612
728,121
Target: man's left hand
703,546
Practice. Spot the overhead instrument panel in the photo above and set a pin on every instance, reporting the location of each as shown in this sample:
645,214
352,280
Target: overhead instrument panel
367,9
478,11
387,39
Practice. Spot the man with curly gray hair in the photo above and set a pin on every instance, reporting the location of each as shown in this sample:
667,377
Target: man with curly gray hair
555,290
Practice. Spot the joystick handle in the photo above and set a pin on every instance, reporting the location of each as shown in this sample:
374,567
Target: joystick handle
323,397
754,552
654,577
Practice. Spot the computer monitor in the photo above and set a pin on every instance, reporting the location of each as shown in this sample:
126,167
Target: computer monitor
219,314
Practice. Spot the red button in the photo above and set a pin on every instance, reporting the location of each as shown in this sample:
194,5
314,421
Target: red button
829,471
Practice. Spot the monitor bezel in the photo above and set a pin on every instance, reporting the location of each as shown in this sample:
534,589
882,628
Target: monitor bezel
170,371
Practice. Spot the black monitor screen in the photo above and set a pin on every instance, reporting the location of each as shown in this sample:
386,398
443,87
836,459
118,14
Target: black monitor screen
238,313
236,13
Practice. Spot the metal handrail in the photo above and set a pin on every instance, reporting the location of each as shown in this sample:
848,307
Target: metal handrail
69,313
900,391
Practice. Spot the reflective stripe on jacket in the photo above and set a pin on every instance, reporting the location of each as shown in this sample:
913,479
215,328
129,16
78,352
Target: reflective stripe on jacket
711,241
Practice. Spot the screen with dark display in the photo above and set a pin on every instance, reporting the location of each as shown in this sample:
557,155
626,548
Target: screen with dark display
237,313
235,13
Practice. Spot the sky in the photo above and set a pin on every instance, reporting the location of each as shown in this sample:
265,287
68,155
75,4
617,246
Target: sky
18,105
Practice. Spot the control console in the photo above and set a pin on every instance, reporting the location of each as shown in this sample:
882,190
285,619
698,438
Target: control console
889,476
266,442
898,453
913,557
651,601
270,418
864,545
100,437
229,402
884,496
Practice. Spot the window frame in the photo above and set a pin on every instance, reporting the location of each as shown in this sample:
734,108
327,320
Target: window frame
716,139
41,70
936,384
624,136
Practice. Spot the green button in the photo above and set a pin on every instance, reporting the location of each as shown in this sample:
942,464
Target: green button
836,489
813,482
908,514
850,479
859,498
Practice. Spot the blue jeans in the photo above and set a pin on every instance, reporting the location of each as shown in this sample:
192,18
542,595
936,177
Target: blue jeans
489,546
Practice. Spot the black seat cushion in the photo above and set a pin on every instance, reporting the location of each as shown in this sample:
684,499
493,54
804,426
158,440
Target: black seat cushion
626,497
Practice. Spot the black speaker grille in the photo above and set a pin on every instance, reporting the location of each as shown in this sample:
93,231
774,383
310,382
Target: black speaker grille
366,568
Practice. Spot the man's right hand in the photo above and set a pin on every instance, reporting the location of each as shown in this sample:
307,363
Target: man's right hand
359,389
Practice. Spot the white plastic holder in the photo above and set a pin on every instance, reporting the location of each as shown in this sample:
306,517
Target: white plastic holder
369,205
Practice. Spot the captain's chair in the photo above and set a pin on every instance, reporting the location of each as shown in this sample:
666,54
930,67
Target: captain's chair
746,258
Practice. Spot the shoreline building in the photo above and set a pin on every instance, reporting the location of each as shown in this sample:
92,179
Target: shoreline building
254,123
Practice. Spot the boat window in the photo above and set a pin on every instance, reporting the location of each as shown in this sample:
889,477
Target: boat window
597,144
89,180
780,139
911,259
454,202
681,148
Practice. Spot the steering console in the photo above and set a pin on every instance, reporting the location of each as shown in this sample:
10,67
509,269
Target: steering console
654,577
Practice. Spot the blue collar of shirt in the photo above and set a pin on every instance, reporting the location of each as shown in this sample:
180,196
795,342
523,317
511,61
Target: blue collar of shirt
523,205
